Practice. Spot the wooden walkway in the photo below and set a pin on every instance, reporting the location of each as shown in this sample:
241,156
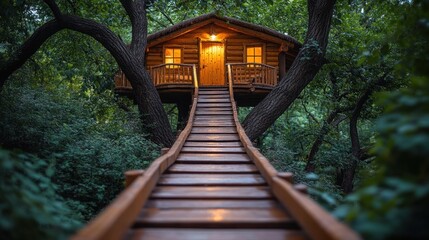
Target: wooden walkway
214,185
213,191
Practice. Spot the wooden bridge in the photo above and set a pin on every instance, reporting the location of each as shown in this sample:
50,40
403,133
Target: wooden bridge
213,184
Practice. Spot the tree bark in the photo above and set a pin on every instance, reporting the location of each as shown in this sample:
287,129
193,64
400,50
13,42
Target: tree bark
308,62
130,61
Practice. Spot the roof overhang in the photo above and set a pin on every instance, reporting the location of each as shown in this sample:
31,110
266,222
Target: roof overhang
230,23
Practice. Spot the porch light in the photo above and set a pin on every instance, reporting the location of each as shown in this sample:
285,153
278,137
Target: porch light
213,37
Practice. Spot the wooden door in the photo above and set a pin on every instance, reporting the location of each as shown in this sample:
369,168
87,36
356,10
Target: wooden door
212,69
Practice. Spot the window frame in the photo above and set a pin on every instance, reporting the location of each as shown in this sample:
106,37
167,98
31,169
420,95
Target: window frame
173,47
255,45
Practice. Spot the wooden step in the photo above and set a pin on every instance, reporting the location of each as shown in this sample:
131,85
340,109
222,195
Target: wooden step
202,123
204,179
211,203
212,150
212,158
214,218
214,100
219,130
213,137
207,96
214,105
214,234
214,118
200,192
214,109
199,112
212,168
212,144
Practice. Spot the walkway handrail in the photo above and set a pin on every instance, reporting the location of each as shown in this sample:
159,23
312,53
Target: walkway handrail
173,73
117,218
252,73
318,223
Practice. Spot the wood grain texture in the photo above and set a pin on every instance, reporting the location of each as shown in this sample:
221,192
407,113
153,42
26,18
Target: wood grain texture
213,234
190,192
214,218
214,130
204,179
213,137
213,158
213,150
213,144
211,203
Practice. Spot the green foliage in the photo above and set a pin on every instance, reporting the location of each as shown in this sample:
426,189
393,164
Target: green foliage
87,141
30,206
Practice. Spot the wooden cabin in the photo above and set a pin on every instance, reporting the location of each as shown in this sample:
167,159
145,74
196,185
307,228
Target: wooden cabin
211,48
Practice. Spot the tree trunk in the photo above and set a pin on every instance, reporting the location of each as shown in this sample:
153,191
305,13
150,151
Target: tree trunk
308,62
130,61
310,166
345,176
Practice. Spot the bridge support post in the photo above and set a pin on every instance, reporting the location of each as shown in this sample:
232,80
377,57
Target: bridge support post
131,176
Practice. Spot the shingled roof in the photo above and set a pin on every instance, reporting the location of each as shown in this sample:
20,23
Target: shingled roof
227,20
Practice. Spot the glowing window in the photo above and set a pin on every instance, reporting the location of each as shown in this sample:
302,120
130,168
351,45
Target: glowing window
173,55
254,54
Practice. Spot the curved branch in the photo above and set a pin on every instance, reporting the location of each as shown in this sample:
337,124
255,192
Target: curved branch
28,49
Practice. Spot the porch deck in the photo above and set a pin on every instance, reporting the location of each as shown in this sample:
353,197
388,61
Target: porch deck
251,81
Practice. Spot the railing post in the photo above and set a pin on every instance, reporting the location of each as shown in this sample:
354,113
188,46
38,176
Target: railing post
131,176
229,76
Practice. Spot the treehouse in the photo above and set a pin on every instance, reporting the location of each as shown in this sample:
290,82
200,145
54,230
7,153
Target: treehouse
211,48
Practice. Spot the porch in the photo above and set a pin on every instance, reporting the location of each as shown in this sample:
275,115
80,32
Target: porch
174,82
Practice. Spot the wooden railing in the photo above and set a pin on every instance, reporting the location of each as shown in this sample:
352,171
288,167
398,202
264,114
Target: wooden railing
117,218
314,220
252,73
172,73
163,74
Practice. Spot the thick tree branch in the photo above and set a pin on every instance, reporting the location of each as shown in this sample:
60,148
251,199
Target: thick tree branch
28,49
54,8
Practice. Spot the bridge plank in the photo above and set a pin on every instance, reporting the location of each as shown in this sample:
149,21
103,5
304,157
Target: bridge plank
213,168
210,105
213,100
175,179
213,137
214,130
213,144
192,192
211,203
224,234
214,123
214,109
214,218
212,112
213,150
213,158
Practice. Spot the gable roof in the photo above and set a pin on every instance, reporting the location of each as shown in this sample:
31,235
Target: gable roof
232,23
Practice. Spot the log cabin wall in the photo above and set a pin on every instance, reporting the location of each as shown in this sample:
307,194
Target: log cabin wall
234,42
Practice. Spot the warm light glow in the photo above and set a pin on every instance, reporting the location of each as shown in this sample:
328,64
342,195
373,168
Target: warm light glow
218,214
213,37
